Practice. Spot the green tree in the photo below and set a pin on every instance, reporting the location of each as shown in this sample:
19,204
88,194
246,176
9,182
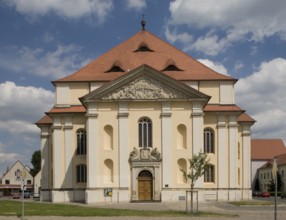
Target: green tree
36,162
198,166
257,185
271,185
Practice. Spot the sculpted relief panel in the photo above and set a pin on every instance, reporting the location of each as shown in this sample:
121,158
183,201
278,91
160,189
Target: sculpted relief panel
145,88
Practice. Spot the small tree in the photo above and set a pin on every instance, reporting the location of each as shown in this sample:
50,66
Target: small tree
271,184
257,185
36,162
198,165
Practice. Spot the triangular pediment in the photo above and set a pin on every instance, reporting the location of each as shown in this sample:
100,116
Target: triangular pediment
144,83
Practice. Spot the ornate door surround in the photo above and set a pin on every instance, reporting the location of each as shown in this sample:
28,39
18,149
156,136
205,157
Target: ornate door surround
145,160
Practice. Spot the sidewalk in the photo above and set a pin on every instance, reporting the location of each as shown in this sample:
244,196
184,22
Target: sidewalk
244,212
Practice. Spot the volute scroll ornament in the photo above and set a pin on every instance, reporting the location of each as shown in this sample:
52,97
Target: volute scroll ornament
145,154
144,88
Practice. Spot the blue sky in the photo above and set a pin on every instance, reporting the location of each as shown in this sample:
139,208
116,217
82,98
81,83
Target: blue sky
41,41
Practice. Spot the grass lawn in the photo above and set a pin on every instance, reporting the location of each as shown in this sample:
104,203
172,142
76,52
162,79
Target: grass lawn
251,202
14,208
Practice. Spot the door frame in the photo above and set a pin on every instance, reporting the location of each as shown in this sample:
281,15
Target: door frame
145,179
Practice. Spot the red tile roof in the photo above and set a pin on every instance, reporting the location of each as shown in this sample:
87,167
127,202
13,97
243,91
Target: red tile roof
280,160
222,108
266,149
245,118
70,109
126,58
44,120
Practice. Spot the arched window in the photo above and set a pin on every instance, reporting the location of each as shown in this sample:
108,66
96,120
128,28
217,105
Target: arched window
108,171
181,137
145,173
145,132
81,142
209,174
208,140
182,167
108,137
81,173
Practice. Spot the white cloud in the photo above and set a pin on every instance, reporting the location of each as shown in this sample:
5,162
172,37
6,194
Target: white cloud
236,19
48,37
218,67
58,63
19,104
9,157
238,65
136,4
20,108
64,8
174,36
16,127
263,96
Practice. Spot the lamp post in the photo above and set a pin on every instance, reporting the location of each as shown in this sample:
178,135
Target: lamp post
274,174
22,175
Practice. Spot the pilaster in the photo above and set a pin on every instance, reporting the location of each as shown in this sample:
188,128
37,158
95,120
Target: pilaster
166,143
233,157
246,160
197,116
123,145
58,153
91,151
222,169
68,152
45,158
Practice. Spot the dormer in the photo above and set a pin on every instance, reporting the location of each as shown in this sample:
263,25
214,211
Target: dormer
171,66
116,67
143,47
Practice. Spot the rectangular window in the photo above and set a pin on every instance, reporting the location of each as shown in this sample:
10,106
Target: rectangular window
7,182
81,142
81,173
29,182
209,174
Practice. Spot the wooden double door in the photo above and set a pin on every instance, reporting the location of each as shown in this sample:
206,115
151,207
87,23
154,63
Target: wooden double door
145,186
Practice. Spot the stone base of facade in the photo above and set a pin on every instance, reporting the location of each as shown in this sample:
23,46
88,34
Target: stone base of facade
174,195
57,196
102,195
45,196
90,196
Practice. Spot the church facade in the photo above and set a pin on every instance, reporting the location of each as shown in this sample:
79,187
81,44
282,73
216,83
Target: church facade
123,127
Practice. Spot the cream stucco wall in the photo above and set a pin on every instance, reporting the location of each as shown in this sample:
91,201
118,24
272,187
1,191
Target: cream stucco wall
76,91
211,88
112,133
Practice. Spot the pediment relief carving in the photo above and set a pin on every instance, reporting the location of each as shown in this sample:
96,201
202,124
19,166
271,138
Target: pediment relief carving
144,88
145,154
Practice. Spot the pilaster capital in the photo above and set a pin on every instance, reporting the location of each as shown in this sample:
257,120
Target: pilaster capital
68,127
91,115
166,114
122,114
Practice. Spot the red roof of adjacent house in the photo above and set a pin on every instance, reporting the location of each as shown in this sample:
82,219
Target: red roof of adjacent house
280,160
44,120
245,118
266,149
154,52
222,108
69,109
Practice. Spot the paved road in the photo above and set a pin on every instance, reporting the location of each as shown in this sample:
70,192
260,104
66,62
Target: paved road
244,212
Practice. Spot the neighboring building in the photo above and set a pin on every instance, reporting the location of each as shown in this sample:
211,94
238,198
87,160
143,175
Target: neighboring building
125,125
265,172
10,182
37,182
262,151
